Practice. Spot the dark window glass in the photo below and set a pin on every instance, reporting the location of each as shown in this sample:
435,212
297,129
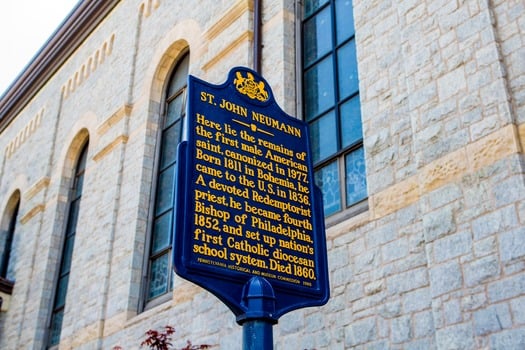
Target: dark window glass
6,244
78,186
317,39
351,127
313,5
57,313
344,16
319,88
161,233
60,300
170,140
321,136
165,190
160,275
331,102
179,77
56,327
67,254
347,69
174,111
73,216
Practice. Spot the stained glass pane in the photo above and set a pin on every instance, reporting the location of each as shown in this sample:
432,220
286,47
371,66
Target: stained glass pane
56,327
165,191
161,233
317,36
323,137
352,129
311,6
319,88
344,17
174,111
158,283
347,67
170,141
327,178
355,177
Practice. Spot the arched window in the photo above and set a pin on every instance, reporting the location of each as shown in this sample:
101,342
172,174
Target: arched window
62,281
6,239
159,271
331,104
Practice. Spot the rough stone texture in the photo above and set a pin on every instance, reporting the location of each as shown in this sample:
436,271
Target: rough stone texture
437,260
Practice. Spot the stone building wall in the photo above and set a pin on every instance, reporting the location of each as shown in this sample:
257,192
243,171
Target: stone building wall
436,262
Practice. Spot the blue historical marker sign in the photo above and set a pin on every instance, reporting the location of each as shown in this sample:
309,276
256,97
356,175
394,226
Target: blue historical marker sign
246,203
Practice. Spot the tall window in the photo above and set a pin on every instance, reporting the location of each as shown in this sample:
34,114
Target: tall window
6,244
57,313
160,272
331,102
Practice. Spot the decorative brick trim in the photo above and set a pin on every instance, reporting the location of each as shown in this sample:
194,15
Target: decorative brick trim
92,63
122,112
394,198
24,134
112,145
147,6
37,187
32,213
348,225
493,147
443,170
235,12
246,36
486,151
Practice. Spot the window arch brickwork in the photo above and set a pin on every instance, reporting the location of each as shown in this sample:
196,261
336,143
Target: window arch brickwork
159,271
64,268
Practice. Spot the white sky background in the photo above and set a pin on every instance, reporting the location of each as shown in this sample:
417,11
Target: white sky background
25,26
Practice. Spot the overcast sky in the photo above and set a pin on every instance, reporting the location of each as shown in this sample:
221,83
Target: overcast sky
25,26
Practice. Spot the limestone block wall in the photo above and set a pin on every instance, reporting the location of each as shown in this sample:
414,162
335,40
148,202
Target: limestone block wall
437,260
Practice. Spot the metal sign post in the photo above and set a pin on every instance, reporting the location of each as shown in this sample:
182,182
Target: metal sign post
257,322
249,223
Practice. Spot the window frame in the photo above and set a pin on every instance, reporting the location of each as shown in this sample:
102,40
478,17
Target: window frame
12,218
74,196
145,302
347,210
